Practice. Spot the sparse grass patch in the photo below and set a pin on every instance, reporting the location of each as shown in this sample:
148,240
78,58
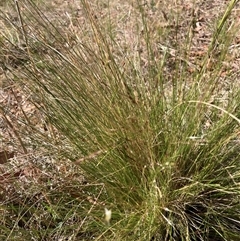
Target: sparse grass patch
146,127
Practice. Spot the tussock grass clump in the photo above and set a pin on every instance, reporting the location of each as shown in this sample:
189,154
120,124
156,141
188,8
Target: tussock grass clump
161,153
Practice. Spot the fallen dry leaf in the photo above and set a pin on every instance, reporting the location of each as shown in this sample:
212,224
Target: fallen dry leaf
5,156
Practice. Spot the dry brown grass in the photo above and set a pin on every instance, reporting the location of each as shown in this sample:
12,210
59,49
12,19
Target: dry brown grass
171,27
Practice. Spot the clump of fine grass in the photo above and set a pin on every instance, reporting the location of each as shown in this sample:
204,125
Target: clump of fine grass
161,154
